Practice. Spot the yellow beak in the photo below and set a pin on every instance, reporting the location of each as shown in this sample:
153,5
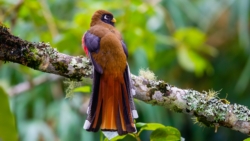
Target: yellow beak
113,20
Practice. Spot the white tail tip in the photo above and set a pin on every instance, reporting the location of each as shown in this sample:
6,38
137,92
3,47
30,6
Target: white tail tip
86,124
135,114
110,134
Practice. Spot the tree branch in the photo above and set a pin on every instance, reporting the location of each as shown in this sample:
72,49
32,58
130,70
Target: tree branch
41,56
206,106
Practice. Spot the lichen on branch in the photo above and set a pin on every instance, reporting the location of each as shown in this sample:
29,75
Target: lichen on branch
207,108
41,56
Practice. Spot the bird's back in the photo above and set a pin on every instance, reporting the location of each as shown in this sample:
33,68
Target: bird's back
111,55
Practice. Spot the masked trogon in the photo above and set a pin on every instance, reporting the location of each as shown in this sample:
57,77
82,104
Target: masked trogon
111,107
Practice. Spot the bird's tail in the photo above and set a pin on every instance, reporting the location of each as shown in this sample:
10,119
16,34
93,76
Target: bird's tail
110,108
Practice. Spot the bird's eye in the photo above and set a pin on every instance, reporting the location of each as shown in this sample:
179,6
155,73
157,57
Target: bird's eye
105,17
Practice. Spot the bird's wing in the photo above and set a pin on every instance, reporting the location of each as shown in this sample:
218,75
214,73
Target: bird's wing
124,48
92,43
128,83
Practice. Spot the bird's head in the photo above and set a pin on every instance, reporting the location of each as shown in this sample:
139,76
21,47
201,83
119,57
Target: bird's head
102,16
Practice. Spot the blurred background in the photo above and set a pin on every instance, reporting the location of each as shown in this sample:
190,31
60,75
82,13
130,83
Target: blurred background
196,44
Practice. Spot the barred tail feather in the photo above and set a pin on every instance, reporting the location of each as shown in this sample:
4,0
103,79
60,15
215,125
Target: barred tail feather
128,80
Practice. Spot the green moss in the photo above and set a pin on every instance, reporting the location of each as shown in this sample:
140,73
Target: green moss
33,50
153,102
52,52
204,121
33,63
71,85
148,85
162,87
76,76
177,109
30,57
61,67
152,92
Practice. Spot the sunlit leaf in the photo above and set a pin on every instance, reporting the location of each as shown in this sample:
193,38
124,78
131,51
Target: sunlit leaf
191,37
140,124
201,64
166,134
190,46
192,61
248,139
184,59
151,126
83,89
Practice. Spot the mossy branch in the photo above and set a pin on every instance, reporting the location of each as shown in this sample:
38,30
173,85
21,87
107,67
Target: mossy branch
41,56
206,107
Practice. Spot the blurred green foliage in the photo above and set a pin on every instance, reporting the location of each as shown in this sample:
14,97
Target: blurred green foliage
7,123
196,44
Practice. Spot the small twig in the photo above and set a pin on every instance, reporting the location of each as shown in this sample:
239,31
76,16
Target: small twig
27,85
12,10
49,18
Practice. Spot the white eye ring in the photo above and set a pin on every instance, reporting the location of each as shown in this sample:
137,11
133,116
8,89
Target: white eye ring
105,17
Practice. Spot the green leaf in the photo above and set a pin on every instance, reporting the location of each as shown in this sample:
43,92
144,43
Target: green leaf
190,47
191,37
140,124
192,61
166,134
148,126
152,126
184,59
248,139
7,123
83,89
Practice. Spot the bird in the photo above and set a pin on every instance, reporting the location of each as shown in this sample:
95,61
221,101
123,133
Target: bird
111,107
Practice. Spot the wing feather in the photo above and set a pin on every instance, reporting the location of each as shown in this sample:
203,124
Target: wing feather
92,43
